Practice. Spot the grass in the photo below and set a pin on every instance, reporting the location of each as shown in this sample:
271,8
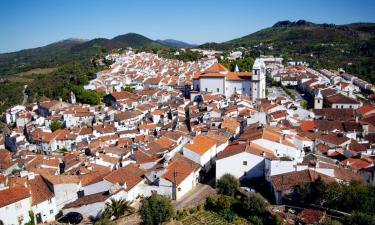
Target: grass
30,75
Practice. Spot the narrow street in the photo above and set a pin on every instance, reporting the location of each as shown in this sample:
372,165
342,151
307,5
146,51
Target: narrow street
195,197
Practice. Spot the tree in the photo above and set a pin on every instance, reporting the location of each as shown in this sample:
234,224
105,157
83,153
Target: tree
228,184
156,209
360,218
303,104
117,208
254,204
55,125
129,88
31,216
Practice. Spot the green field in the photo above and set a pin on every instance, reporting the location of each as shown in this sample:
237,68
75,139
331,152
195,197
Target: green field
30,75
205,217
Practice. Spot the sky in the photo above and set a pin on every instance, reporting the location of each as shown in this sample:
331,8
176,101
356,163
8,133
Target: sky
34,23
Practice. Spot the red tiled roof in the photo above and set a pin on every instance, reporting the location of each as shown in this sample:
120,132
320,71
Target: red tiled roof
12,195
130,174
39,190
307,125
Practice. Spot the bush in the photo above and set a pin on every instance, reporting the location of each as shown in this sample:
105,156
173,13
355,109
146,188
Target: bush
156,209
55,125
254,204
360,218
31,216
228,184
255,220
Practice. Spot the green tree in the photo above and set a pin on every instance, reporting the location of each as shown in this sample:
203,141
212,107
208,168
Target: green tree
360,218
303,104
55,125
129,88
254,204
156,209
228,184
32,220
117,208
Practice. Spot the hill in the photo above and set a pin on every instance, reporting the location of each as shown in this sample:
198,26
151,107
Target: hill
176,44
61,52
350,46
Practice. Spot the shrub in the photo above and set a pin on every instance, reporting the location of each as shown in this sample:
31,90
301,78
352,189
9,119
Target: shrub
228,184
156,209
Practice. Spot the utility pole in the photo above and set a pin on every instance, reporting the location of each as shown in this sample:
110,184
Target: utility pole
174,186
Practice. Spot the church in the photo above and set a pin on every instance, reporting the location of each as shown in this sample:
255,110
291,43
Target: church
218,79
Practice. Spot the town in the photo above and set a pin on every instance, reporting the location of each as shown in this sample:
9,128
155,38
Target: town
175,128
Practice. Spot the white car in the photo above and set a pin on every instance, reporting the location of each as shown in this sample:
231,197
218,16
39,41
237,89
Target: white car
247,189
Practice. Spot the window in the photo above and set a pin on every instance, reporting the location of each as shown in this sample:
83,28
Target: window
206,89
243,89
342,106
20,219
350,106
50,201
217,89
18,205
244,163
51,211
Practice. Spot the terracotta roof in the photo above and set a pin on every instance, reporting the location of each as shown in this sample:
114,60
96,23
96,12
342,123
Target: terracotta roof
231,150
341,99
234,76
200,144
123,95
346,174
130,174
365,109
92,178
62,179
311,216
287,181
357,163
179,170
87,200
216,68
39,190
12,195
333,139
335,114
307,125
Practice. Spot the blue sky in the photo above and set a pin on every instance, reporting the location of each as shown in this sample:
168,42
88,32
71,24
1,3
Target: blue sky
34,23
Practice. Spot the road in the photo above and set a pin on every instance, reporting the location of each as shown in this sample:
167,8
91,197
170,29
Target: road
25,96
195,197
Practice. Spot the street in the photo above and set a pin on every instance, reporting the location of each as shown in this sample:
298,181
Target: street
195,197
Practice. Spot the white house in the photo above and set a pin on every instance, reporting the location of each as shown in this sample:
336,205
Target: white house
65,188
182,175
127,182
15,207
201,150
43,200
241,161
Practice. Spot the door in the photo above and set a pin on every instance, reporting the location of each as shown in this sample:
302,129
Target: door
38,218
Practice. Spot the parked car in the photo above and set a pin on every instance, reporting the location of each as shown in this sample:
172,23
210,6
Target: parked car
247,189
71,218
